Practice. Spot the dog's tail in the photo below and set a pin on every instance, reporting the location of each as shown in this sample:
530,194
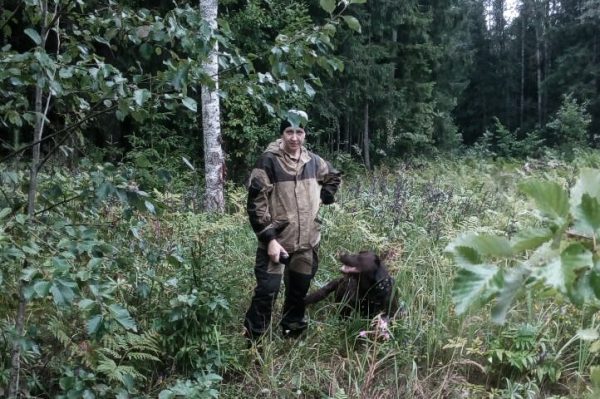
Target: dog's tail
322,292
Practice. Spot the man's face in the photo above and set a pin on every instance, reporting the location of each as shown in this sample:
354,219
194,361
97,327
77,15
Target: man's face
293,138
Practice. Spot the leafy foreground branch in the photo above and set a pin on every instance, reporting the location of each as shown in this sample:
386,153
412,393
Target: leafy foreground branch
560,254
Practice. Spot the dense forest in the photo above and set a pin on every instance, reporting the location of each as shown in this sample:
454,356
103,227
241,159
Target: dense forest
468,135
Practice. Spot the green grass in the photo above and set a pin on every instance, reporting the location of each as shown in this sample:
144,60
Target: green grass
196,273
412,213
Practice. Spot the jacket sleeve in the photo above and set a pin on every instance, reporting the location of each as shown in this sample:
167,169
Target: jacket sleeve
330,180
260,187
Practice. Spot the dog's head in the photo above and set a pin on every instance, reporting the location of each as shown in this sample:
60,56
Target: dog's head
374,280
363,262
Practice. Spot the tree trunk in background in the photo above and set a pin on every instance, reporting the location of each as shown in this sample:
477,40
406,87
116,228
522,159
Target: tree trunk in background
366,137
38,130
546,55
596,59
347,133
338,135
214,160
538,62
522,100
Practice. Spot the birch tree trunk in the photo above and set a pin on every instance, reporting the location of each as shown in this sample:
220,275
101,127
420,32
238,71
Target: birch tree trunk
214,160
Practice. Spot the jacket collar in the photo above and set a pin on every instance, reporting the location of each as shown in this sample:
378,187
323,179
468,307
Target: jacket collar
276,148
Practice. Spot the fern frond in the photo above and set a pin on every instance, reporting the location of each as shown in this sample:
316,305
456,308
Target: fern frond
142,356
146,342
110,353
57,329
115,372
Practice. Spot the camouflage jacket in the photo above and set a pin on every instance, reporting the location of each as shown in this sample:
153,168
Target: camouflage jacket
284,195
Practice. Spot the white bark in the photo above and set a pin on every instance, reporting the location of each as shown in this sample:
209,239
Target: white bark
214,159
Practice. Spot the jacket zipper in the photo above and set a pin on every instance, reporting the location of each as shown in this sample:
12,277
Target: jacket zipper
297,205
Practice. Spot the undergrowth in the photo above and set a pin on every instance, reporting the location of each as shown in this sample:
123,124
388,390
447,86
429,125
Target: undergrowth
163,316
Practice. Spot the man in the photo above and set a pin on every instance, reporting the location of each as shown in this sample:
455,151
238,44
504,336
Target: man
286,188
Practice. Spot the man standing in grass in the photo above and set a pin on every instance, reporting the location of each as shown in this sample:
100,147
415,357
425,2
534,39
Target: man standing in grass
286,188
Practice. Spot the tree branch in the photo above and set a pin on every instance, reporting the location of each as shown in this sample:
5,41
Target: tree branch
12,14
66,129
58,204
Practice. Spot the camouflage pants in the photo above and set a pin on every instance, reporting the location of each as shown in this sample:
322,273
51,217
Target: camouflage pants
296,271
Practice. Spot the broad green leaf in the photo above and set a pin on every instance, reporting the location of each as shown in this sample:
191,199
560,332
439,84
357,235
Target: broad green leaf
4,212
62,292
34,35
582,292
481,245
561,272
29,273
42,288
190,104
472,284
15,118
284,85
166,394
587,215
150,207
122,316
309,90
140,96
553,275
352,23
66,73
93,324
542,255
550,198
60,265
175,260
588,183
86,303
530,239
93,263
358,1
297,117
466,256
510,286
327,5
104,190
574,258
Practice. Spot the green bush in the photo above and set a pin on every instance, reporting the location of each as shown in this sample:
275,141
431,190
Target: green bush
568,128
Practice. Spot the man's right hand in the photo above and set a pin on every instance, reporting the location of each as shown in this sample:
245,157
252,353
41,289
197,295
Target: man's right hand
274,250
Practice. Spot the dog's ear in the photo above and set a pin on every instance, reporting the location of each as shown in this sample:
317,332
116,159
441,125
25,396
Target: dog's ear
378,261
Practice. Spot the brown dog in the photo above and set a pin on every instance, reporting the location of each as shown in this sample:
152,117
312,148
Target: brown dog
366,286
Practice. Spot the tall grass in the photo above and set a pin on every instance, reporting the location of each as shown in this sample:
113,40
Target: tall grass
410,212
